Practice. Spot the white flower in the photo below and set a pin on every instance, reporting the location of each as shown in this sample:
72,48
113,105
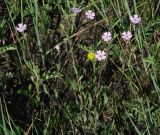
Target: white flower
127,35
57,47
135,19
21,27
100,55
106,36
75,10
90,14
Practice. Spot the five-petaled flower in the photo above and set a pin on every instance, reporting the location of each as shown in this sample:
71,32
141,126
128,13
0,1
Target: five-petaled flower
135,19
90,14
127,35
100,55
21,27
75,10
106,36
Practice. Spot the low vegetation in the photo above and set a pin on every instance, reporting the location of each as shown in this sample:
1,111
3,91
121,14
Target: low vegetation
80,67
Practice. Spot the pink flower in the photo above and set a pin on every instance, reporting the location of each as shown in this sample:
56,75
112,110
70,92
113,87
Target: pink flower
106,36
135,19
21,27
127,35
90,14
100,55
75,10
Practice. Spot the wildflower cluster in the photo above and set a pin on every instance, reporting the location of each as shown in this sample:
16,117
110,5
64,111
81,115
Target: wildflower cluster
106,36
99,55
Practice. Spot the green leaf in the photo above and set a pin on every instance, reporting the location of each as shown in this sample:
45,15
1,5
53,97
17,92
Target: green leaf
6,48
105,98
